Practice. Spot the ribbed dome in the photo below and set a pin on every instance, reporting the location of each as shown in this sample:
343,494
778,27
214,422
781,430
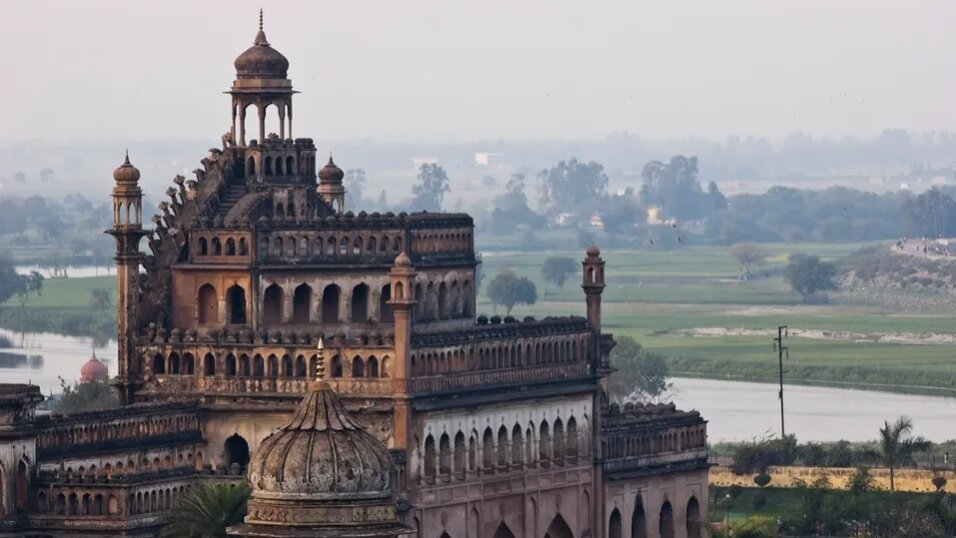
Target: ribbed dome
402,260
126,173
321,454
593,251
261,60
93,370
330,173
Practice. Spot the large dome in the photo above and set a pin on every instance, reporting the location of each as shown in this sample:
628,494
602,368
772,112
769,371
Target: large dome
321,454
261,60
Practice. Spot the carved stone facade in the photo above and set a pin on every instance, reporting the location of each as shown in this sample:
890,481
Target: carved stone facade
496,427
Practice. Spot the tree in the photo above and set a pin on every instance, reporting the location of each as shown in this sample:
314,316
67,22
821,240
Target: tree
748,255
640,373
861,481
931,214
808,275
675,188
10,281
511,208
508,289
569,184
46,174
207,510
897,444
101,300
557,269
355,181
89,396
430,190
27,285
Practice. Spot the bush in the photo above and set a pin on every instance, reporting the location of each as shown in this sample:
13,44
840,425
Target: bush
762,479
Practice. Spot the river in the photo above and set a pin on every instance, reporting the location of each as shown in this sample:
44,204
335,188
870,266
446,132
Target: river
735,410
739,411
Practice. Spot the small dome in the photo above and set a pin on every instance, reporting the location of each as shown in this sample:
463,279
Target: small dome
93,370
261,60
594,251
402,260
321,454
330,173
126,173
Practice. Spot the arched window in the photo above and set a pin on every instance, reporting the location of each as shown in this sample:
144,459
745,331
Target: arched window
251,166
330,247
189,364
544,442
278,166
372,367
202,246
694,524
558,440
216,246
286,366
277,245
430,457
571,447
517,445
290,246
258,366
268,163
386,366
302,304
488,449
300,366
159,364
272,305
230,365
230,247
502,447
208,305
344,246
273,366
289,165
236,451
370,245
459,455
614,525
444,455
244,367
357,246
558,528
173,364
236,304
243,247
336,370
360,304
330,304
444,310
386,315
303,246
667,520
638,520
358,367
21,487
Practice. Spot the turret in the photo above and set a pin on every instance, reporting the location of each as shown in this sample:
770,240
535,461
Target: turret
127,230
593,286
330,185
402,278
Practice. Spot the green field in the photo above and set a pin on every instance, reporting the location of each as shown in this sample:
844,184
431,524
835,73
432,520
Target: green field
656,297
63,307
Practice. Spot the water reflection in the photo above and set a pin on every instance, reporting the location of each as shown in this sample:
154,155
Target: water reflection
42,358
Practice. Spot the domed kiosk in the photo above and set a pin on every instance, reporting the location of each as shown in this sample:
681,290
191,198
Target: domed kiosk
321,475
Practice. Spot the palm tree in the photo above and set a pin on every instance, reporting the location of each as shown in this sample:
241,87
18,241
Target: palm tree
207,510
897,444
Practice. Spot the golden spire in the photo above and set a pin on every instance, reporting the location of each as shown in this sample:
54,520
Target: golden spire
320,363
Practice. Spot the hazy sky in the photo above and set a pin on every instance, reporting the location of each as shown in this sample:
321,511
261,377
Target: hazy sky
526,69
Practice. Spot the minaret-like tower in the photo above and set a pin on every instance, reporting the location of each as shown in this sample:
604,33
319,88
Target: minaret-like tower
593,286
402,279
127,230
330,185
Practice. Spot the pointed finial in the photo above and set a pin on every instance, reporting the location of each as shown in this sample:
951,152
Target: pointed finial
320,363
260,19
127,156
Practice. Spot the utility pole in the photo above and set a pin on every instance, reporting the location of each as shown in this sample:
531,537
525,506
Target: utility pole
781,349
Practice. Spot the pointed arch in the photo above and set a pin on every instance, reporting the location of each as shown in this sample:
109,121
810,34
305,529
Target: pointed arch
693,521
208,303
272,305
385,312
503,531
330,304
558,528
236,304
302,304
614,524
360,295
667,520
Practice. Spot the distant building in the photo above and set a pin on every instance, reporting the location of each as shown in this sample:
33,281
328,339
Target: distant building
93,370
488,159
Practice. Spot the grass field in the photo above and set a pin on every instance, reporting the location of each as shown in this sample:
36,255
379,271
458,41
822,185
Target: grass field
64,308
656,297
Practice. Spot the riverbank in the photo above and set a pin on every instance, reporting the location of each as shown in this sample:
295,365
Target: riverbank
64,307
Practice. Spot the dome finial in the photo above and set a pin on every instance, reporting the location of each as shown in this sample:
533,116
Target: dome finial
260,19
127,156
